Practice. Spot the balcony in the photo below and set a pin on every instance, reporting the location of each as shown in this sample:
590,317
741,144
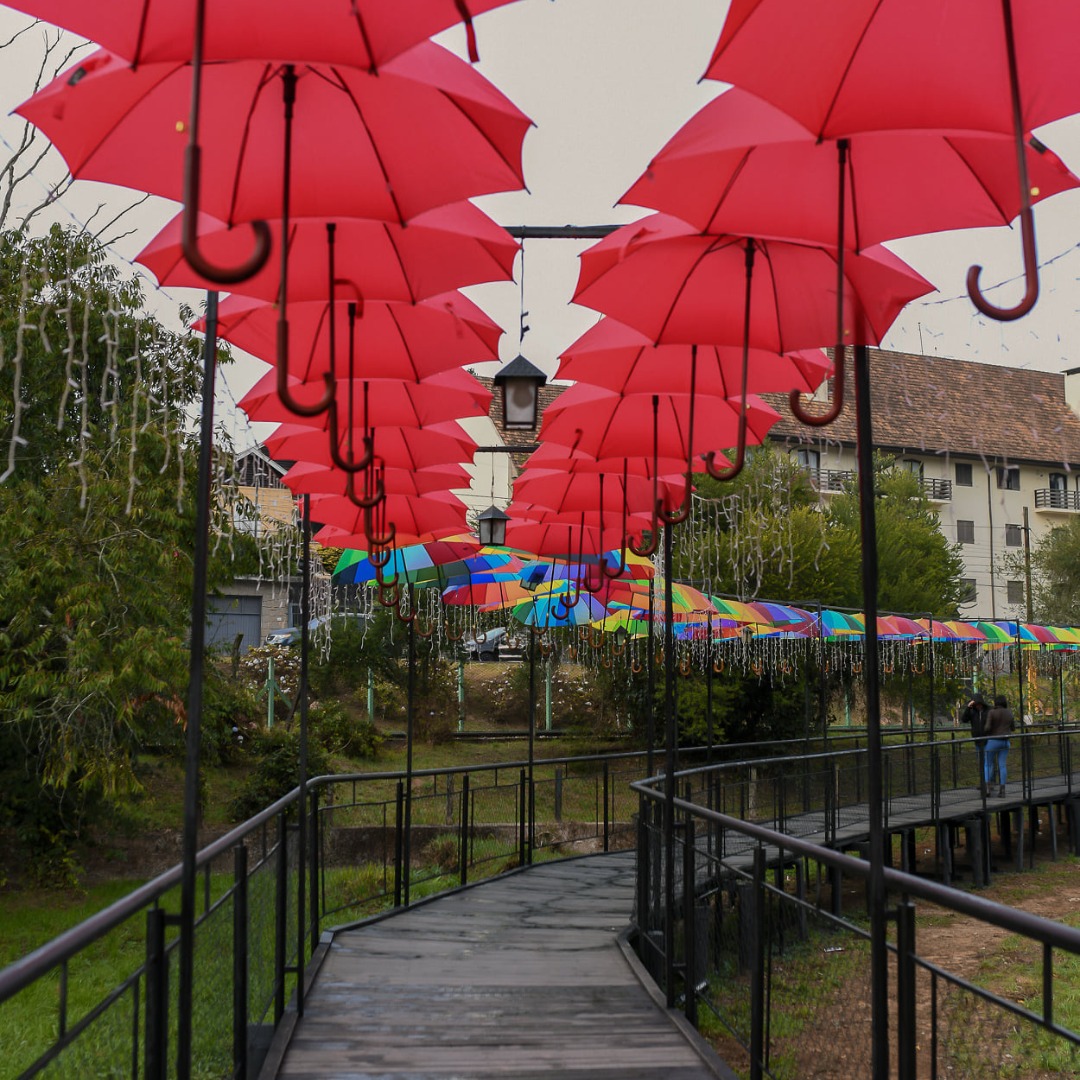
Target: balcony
831,481
1055,499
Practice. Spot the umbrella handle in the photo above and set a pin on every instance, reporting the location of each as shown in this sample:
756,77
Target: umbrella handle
189,237
681,512
284,393
1031,277
470,31
729,473
649,549
336,455
379,559
822,419
389,597
369,529
450,635
420,632
364,503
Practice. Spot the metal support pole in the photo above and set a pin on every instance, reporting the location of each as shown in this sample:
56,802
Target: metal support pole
529,807
410,708
669,774
708,694
461,695
194,703
240,963
879,956
650,684
301,839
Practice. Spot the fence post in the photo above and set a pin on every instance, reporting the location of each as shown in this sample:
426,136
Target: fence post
281,903
607,819
757,970
399,849
240,962
522,812
905,990
558,792
314,867
464,856
157,996
642,876
689,922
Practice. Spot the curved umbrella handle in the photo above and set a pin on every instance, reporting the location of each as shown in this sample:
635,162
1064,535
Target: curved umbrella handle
1031,277
649,549
379,559
284,393
336,455
421,632
681,512
821,419
189,236
365,502
451,635
369,529
733,470
389,596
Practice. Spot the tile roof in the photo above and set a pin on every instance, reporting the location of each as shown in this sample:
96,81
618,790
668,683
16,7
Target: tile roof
935,405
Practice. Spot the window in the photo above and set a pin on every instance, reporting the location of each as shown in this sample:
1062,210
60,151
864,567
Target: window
1058,481
1008,477
1015,591
913,467
1014,535
808,459
963,474
965,532
969,591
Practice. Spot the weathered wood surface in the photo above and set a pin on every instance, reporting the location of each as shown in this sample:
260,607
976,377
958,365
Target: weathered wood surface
518,977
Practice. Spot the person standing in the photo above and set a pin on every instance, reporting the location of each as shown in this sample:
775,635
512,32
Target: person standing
974,716
999,725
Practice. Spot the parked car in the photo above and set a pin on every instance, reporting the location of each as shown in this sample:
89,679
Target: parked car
487,648
290,635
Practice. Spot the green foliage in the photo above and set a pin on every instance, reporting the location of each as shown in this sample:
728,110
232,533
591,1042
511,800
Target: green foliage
1055,581
339,733
278,770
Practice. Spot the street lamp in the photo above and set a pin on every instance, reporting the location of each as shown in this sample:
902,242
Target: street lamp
520,381
491,527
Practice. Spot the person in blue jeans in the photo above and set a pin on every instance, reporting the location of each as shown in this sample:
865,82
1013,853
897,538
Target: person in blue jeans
999,725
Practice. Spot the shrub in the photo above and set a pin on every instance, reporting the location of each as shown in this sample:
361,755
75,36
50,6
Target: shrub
339,733
277,772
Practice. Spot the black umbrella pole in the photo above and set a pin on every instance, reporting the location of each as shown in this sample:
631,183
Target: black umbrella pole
879,956
669,774
530,809
194,702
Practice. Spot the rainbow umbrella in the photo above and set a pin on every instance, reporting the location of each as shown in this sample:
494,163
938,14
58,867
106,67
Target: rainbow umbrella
953,630
995,633
736,609
488,594
894,626
550,610
634,623
777,614
416,564
833,624
1068,637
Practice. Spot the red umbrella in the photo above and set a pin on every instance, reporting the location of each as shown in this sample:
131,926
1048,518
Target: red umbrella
363,33
959,65
448,395
605,424
306,478
622,359
555,456
411,514
427,130
740,165
440,250
393,340
404,448
678,286
563,539
561,492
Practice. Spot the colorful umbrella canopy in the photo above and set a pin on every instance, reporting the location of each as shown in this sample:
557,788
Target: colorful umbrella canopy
558,609
362,33
832,624
393,340
774,615
740,165
679,286
738,610
624,360
440,250
354,566
425,131
995,633
488,595
952,630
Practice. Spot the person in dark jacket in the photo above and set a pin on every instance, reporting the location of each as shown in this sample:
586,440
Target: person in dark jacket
999,725
974,717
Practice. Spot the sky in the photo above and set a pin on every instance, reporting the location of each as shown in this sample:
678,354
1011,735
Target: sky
607,82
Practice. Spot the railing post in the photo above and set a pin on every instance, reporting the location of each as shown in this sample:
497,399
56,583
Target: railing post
757,970
399,848
464,855
281,919
607,821
314,866
240,962
558,792
642,875
905,990
522,811
689,922
157,997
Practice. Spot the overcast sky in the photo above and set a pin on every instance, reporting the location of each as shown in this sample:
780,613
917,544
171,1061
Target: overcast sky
607,83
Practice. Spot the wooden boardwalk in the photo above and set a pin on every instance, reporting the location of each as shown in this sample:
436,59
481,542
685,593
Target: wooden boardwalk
521,976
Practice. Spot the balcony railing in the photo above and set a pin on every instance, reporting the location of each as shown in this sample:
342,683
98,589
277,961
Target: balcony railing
834,480
1056,499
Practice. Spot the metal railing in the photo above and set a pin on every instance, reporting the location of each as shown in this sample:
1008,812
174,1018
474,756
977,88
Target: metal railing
746,916
1056,499
836,480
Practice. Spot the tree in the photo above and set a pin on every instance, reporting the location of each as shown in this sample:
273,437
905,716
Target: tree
97,513
1055,575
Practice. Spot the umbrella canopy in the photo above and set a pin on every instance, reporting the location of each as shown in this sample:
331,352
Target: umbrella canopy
562,491
740,165
363,33
392,340
425,131
555,609
562,539
901,63
487,594
832,624
438,251
952,630
624,360
608,425
354,566
777,614
996,633
552,456
306,478
411,514
395,447
676,285
446,395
